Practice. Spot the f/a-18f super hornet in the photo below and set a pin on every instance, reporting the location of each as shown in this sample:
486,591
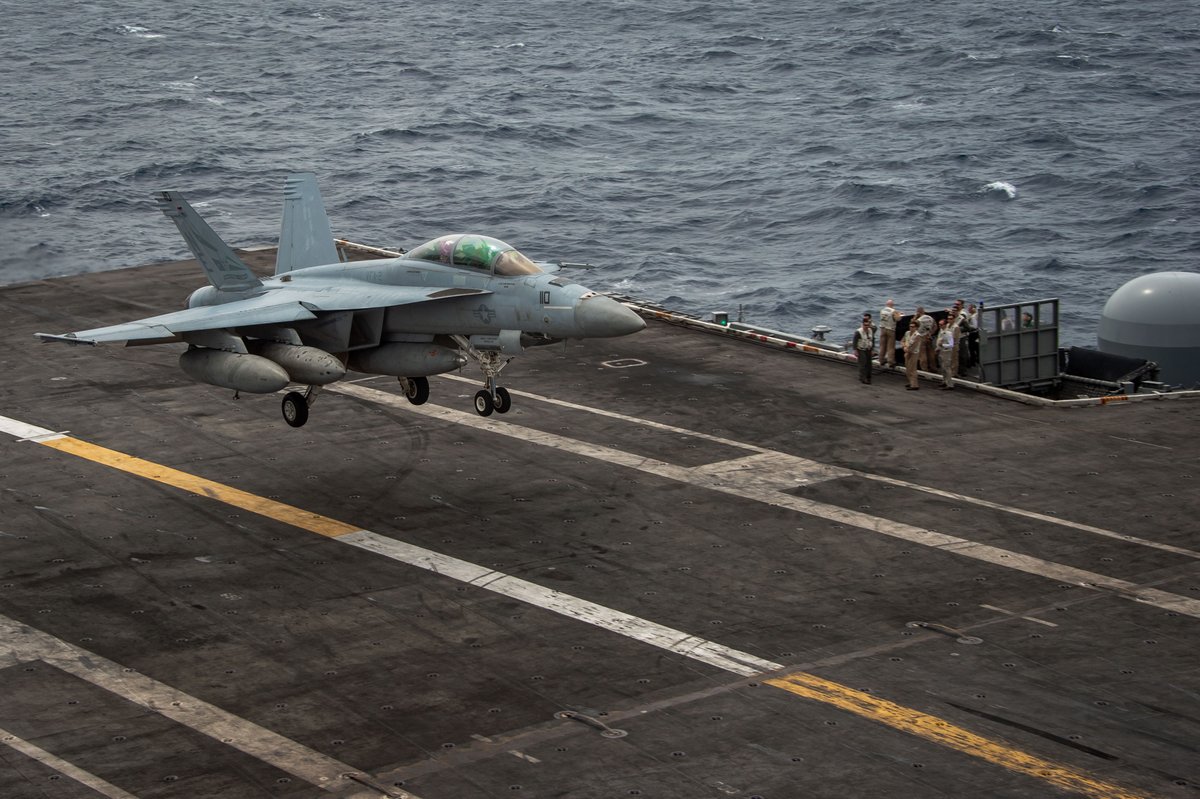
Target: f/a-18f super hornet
457,298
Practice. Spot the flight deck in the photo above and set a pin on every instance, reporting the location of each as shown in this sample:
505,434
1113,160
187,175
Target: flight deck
681,566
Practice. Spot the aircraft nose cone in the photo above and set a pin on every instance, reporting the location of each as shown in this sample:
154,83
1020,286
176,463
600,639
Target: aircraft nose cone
603,317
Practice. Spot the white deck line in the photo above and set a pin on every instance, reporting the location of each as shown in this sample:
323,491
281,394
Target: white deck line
20,643
750,487
983,503
66,768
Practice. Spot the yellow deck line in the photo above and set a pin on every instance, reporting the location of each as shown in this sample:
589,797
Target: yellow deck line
802,684
305,520
943,732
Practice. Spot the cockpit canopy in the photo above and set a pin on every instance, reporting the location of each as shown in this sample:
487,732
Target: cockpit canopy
476,252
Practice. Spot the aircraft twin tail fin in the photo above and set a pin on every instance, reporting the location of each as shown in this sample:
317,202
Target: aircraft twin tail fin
222,266
304,238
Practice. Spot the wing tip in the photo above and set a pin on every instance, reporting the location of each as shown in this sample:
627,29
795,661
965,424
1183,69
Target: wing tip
66,338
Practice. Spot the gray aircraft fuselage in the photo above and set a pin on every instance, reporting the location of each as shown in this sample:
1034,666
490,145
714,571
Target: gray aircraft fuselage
546,304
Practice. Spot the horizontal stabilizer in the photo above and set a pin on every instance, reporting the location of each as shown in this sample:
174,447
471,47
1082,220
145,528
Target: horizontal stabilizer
222,266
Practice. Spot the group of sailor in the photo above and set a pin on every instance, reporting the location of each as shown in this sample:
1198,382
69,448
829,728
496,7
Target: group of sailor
951,343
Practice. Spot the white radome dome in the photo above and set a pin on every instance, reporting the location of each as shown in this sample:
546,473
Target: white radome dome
1156,317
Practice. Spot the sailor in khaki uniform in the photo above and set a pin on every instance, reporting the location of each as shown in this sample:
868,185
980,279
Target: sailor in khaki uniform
945,350
887,334
864,346
913,343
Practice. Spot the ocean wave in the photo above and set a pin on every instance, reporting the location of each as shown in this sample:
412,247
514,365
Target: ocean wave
859,189
391,133
868,276
1001,188
786,66
1033,39
1051,264
714,55
139,32
748,40
1075,62
1129,238
1157,191
1046,138
158,171
36,206
1030,235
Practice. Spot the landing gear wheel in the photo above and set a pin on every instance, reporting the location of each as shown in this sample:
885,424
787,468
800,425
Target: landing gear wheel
483,403
416,389
503,401
295,409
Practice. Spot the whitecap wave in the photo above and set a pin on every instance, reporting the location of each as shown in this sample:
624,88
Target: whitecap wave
1001,187
914,104
140,32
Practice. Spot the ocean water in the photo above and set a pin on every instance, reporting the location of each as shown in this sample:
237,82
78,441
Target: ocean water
799,161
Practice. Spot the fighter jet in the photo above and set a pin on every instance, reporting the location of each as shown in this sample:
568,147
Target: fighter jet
452,300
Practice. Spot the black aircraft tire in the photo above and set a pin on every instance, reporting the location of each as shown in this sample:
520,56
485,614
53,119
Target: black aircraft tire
417,391
483,403
503,400
295,409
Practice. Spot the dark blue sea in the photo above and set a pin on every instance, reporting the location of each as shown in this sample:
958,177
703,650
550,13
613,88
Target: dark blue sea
802,161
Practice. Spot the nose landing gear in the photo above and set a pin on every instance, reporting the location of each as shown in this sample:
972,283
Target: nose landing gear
492,398
497,400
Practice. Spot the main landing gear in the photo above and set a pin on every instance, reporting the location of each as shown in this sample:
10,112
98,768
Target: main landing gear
416,389
296,405
491,399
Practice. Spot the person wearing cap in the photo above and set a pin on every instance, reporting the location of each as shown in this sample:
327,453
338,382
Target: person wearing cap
913,343
925,328
887,334
945,349
864,346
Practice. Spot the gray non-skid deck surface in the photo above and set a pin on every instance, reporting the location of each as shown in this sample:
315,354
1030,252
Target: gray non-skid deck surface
160,643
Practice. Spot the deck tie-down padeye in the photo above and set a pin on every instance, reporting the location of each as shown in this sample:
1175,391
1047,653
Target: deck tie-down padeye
605,730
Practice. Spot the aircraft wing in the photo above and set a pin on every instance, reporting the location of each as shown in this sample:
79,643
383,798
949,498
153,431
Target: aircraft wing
272,308
262,310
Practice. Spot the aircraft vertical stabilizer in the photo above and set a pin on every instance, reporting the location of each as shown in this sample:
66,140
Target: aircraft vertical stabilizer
222,266
305,238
